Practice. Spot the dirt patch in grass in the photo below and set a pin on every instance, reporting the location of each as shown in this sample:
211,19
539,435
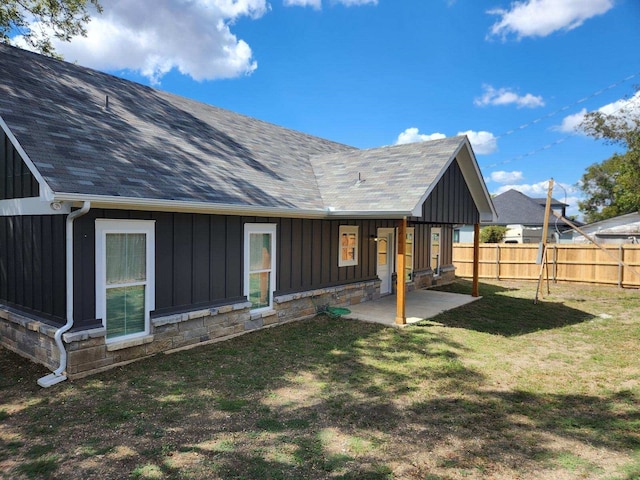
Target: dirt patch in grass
499,389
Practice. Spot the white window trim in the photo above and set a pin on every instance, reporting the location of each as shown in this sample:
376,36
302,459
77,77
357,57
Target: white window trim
348,229
104,227
412,231
268,228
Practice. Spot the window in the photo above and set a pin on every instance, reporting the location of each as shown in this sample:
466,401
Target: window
125,276
456,235
348,254
435,250
408,255
260,265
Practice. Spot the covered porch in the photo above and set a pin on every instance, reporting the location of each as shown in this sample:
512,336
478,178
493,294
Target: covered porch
419,304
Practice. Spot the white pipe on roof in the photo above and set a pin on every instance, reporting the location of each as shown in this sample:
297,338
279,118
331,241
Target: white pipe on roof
59,374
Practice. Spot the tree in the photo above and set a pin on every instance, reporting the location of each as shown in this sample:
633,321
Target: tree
492,234
612,187
38,21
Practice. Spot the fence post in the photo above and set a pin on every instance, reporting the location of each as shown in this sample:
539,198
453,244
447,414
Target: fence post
620,265
497,261
475,289
555,263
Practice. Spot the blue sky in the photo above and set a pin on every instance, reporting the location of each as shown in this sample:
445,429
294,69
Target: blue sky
377,72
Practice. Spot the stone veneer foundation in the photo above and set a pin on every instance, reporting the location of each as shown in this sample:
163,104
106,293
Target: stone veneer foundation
89,353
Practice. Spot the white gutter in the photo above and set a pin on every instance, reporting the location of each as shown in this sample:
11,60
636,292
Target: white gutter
154,204
59,374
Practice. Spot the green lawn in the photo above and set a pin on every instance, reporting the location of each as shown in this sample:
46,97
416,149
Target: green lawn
498,389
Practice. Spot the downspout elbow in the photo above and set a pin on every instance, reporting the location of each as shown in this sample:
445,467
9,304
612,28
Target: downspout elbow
58,375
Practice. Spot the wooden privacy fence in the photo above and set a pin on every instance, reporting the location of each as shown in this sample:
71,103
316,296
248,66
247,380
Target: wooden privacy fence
567,262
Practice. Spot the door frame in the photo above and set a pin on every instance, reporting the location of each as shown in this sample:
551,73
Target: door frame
390,235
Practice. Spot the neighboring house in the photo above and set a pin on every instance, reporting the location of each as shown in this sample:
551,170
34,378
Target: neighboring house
134,221
524,218
617,230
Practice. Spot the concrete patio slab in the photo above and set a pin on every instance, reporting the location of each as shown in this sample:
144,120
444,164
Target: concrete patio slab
420,304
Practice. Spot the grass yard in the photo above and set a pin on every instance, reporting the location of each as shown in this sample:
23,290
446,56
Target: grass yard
498,389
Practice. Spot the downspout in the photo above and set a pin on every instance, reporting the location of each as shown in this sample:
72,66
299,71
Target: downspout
58,375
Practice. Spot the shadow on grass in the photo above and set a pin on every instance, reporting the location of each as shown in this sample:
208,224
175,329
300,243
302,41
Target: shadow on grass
499,313
316,399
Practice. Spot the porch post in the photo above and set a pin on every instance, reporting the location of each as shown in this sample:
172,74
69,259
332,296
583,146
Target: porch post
401,287
476,259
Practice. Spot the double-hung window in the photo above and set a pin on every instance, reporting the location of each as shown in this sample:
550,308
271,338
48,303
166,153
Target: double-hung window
348,246
260,264
125,276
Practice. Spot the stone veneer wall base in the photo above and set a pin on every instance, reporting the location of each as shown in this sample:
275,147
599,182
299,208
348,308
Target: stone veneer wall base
89,352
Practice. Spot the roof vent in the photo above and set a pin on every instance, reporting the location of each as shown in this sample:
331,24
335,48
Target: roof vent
106,102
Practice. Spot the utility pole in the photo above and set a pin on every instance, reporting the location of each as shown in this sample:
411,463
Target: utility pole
542,253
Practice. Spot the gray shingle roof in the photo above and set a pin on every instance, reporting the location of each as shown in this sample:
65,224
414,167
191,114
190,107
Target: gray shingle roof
554,202
149,144
514,207
382,179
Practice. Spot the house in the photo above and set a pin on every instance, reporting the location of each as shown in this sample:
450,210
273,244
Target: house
616,230
524,218
134,221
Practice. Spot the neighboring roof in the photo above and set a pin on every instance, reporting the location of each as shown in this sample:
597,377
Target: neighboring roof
554,202
628,224
514,207
87,135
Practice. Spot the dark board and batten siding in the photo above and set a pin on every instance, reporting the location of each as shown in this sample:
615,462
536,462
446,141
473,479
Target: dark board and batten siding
450,202
198,261
422,245
308,253
32,265
199,258
16,180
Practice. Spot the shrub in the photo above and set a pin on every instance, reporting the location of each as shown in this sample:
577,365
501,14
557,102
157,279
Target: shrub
492,234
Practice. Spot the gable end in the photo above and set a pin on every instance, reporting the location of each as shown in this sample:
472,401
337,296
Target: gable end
450,200
16,180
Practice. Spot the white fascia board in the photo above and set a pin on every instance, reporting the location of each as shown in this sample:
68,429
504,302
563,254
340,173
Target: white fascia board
152,204
381,214
31,206
46,194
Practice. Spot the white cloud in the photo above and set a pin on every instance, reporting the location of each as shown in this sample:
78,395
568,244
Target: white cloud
317,4
504,96
483,143
570,123
620,108
534,190
623,107
155,36
412,135
506,177
539,18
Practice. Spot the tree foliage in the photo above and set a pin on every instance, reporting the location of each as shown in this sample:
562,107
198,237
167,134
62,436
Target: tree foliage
37,22
492,234
612,187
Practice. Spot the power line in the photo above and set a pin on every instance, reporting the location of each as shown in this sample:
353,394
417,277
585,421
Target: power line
563,139
567,107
